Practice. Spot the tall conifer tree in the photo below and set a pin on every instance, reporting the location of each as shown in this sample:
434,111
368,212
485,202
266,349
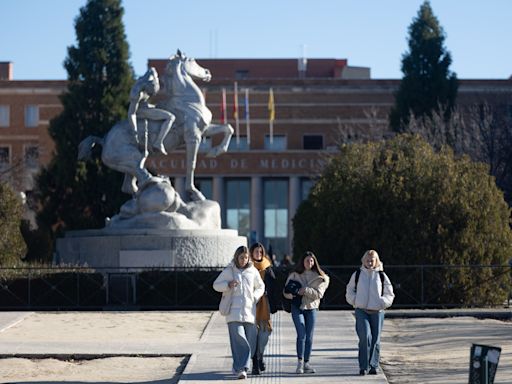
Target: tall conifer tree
428,84
75,194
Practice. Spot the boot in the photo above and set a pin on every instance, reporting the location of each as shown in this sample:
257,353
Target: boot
255,367
261,365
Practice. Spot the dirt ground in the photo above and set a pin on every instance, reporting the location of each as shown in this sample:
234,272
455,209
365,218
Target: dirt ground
93,328
414,350
113,369
437,351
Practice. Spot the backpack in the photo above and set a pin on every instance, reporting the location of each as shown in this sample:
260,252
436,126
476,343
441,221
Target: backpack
381,275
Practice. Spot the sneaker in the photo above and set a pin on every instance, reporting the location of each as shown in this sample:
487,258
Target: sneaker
300,367
362,372
308,368
242,374
372,371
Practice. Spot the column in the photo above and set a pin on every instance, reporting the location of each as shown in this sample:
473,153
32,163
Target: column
293,204
218,196
257,206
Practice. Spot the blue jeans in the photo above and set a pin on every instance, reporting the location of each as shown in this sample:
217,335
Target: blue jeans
304,321
242,338
261,341
369,328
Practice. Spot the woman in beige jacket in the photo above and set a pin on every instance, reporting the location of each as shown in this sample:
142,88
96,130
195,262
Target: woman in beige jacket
305,302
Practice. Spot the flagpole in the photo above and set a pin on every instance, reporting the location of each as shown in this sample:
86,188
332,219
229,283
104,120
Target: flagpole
247,117
223,107
235,113
271,114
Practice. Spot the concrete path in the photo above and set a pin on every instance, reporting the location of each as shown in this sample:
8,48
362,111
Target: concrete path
334,353
334,350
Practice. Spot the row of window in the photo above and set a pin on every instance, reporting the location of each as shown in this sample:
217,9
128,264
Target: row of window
30,156
273,143
276,143
31,115
275,209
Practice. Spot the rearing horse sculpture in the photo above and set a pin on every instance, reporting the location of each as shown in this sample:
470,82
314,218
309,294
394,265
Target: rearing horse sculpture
122,152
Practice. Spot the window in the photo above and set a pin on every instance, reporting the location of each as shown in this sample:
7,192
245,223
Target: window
313,142
32,157
241,146
278,143
4,115
205,185
305,187
275,216
5,157
241,74
238,213
31,116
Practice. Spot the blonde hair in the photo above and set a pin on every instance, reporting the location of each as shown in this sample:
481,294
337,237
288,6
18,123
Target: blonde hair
369,254
239,251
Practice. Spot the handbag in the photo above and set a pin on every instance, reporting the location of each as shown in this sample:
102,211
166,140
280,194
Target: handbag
225,302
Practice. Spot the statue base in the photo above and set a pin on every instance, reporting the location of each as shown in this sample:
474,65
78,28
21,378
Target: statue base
145,248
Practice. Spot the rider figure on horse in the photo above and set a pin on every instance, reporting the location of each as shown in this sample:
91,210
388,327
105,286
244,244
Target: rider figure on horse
145,87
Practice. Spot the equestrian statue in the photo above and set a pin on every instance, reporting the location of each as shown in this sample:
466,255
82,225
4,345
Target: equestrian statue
181,120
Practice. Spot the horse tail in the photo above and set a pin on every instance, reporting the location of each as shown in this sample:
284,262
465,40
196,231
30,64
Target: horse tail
85,146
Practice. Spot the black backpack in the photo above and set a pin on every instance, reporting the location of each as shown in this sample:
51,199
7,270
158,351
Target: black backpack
381,274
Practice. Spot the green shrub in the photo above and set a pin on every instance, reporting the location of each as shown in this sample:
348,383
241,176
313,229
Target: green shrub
414,206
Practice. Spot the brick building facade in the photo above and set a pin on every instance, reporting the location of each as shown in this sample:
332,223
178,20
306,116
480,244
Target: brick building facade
260,182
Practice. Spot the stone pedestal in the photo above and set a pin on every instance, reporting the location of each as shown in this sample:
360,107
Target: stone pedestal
132,248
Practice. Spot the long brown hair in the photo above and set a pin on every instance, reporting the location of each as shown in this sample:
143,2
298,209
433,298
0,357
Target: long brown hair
258,245
316,266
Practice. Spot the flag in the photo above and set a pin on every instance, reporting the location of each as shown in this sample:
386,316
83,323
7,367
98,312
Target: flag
223,117
271,114
247,116
235,113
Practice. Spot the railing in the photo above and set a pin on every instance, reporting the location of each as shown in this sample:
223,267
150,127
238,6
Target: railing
415,286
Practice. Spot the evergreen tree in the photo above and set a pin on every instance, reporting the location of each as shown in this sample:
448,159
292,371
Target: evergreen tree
75,194
12,246
414,206
428,84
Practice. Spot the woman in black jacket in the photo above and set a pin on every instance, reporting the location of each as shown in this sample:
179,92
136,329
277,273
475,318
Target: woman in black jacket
266,305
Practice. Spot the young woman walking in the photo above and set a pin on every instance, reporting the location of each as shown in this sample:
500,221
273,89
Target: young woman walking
305,287
369,291
265,306
241,282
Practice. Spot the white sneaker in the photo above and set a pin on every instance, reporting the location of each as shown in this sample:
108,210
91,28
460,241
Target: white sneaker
242,374
308,368
300,367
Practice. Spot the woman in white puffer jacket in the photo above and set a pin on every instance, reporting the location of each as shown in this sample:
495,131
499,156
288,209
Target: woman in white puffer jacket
369,291
246,286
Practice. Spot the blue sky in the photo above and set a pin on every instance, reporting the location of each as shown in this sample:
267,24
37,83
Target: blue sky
34,34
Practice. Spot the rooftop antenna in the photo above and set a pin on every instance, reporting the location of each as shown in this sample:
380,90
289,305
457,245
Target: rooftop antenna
302,63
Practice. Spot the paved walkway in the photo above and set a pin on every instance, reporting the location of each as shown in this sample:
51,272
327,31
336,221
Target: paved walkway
334,353
334,350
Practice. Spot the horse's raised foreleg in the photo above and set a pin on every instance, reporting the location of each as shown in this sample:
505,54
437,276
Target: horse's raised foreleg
214,129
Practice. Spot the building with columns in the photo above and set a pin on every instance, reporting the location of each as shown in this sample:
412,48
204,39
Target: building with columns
267,172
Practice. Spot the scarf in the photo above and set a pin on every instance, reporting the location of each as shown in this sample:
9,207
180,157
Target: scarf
263,308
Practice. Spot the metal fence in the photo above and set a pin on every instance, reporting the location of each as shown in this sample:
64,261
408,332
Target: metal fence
415,286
